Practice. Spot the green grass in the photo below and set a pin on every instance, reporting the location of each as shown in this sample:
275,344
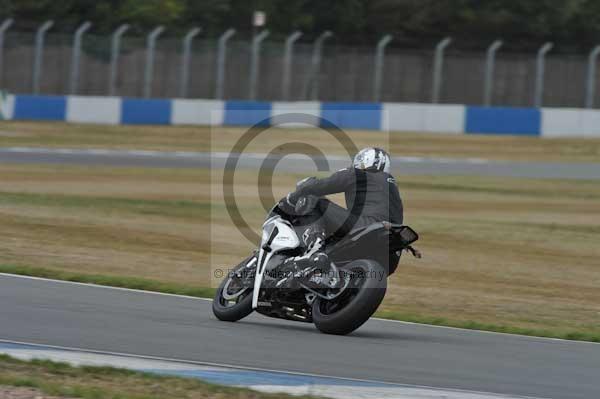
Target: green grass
91,382
204,138
112,281
203,292
167,208
480,187
474,325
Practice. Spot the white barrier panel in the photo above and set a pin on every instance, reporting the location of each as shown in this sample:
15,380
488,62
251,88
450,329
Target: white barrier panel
423,118
310,110
411,117
562,122
197,112
445,119
402,117
590,123
105,110
570,122
7,107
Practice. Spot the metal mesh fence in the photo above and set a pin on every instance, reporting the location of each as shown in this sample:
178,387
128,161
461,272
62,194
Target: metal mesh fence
345,72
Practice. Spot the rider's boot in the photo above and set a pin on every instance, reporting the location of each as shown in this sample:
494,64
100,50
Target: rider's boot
318,272
314,268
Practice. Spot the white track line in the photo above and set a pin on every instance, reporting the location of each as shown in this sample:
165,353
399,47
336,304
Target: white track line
258,369
108,287
467,330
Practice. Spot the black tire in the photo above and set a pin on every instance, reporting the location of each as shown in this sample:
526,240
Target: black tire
361,303
225,311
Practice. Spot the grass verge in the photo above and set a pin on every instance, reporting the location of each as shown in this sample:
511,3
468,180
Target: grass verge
112,281
62,379
221,138
202,292
474,325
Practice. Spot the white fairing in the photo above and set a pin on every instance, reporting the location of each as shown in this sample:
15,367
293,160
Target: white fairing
285,238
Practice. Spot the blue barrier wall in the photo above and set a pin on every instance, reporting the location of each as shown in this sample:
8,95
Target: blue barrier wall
551,122
247,113
352,115
497,120
50,108
136,111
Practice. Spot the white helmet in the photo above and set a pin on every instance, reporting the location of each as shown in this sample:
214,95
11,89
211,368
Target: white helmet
372,159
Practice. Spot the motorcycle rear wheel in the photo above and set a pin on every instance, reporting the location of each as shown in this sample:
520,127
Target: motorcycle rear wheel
357,304
232,310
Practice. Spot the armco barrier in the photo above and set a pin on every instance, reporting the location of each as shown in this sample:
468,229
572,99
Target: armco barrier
423,118
136,111
442,118
309,109
590,123
50,108
246,113
570,122
352,115
104,110
503,120
7,106
198,112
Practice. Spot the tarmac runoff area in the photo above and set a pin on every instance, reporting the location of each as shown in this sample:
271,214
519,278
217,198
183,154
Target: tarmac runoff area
296,163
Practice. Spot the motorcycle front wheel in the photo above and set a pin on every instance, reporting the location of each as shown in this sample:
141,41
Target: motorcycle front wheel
233,299
358,302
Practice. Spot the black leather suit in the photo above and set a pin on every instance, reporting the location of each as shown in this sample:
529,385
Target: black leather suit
370,197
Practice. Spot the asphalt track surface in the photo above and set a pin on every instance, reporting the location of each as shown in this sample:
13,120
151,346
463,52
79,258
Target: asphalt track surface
401,165
115,320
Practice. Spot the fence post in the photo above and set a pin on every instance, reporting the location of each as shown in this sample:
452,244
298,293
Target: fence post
185,60
38,55
255,63
3,28
490,64
540,74
313,79
287,64
76,55
115,45
591,77
221,58
438,69
379,57
149,70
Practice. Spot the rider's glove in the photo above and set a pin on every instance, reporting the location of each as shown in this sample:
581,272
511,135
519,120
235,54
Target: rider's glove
304,181
291,199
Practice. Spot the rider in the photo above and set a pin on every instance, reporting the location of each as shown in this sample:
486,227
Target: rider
371,196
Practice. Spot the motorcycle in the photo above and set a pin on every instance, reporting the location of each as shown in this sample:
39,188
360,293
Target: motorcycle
338,297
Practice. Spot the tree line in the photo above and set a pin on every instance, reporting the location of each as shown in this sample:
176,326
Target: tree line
523,24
